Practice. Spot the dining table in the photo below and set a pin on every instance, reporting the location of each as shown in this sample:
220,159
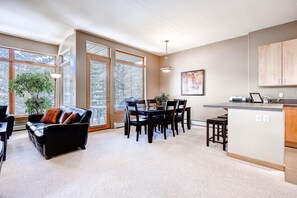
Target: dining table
150,113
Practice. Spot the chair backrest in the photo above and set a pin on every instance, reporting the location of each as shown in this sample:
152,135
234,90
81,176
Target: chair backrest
132,110
170,105
3,109
141,104
151,104
181,106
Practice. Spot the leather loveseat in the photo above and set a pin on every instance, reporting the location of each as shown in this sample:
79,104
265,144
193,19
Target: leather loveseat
53,139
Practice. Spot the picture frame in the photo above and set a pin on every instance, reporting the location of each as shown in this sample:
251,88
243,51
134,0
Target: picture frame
192,83
256,97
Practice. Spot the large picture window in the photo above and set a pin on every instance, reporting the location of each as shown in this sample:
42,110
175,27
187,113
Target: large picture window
14,62
129,75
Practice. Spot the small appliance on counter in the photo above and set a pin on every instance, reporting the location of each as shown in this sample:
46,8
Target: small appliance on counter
237,99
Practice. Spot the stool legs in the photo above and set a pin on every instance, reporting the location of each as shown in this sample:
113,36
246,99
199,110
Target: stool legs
213,132
224,137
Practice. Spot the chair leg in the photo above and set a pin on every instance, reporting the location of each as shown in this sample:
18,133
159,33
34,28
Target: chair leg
137,133
172,126
207,134
224,137
176,128
129,129
213,133
218,132
164,127
183,125
145,129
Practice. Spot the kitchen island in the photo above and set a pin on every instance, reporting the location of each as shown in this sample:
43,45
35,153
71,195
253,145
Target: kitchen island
256,132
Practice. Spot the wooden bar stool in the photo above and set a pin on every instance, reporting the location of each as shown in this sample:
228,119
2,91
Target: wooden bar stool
217,123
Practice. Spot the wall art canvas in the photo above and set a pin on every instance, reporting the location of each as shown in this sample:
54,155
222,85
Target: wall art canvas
192,83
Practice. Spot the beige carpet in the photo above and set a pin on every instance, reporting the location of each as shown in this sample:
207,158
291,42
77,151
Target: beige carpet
114,166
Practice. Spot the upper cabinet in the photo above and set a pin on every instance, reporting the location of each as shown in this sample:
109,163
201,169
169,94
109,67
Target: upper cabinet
290,62
278,64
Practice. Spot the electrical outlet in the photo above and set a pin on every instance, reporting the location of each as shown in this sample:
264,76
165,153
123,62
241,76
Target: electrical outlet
258,118
280,95
266,118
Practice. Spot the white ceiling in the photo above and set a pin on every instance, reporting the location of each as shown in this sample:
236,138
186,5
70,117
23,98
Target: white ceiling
144,24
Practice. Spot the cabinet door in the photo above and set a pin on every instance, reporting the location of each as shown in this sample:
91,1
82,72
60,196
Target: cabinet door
291,125
290,62
270,65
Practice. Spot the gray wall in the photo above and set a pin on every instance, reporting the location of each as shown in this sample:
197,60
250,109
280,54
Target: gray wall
26,44
225,74
275,34
231,69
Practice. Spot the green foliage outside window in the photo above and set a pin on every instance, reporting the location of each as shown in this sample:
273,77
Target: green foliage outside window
37,85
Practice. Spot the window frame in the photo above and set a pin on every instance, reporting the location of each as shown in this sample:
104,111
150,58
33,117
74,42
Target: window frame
121,111
12,61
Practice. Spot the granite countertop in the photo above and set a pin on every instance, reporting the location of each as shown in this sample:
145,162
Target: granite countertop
251,106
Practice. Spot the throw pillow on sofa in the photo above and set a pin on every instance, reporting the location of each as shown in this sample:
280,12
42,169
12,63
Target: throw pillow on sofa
72,118
51,116
65,116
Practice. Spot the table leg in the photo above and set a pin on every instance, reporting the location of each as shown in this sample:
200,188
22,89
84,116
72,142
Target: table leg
126,123
150,129
188,118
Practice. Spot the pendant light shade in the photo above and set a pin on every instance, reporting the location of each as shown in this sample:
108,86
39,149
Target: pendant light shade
166,68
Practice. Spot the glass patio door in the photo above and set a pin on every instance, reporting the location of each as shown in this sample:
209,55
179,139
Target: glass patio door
98,92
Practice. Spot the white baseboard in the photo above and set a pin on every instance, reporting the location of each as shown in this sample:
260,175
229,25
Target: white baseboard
118,124
198,123
19,127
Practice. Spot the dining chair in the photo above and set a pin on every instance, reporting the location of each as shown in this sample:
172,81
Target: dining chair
151,104
169,117
134,119
180,114
141,104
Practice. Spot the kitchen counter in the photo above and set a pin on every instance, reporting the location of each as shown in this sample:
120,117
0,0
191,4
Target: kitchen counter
249,106
256,132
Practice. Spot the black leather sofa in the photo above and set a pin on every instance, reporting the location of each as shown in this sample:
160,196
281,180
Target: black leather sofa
53,139
7,118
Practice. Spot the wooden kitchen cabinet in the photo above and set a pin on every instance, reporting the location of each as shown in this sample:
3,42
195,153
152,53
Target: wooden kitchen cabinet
291,165
290,62
270,65
278,64
291,126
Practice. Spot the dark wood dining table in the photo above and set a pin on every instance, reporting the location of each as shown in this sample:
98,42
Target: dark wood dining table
157,112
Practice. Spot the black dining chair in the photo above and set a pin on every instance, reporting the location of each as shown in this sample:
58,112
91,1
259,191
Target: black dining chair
151,104
169,117
134,119
180,114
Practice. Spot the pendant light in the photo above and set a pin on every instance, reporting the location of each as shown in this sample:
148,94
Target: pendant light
166,67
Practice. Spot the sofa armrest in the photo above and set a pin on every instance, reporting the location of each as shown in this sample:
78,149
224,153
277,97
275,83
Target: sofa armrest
10,123
60,137
35,117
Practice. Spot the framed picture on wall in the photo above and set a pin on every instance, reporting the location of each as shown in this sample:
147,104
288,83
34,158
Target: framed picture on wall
192,83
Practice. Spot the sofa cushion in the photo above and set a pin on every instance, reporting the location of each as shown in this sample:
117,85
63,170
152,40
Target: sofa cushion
65,116
72,118
37,126
51,116
39,137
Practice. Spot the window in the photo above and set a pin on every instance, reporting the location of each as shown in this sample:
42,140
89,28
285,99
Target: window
4,53
32,57
20,68
129,70
4,81
67,80
97,49
21,62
